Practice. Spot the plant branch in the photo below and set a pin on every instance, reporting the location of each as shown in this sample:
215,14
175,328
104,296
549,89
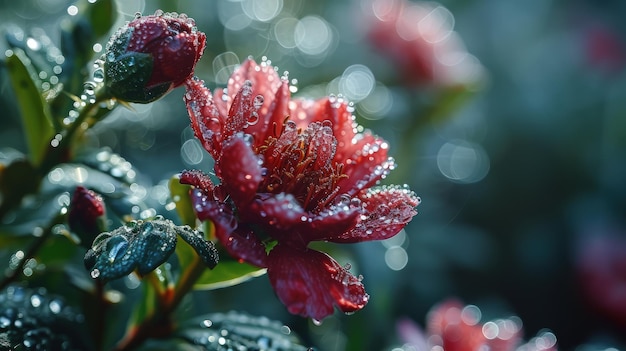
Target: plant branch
169,301
31,251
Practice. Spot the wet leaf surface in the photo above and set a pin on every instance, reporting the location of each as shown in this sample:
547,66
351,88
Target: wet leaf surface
237,331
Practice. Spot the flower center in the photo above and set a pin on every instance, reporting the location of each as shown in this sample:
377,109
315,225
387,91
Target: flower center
300,162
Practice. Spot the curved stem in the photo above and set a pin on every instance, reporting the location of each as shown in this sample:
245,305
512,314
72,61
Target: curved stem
58,151
31,251
153,325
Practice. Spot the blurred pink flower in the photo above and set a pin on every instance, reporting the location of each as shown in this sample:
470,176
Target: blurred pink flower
455,327
291,172
419,38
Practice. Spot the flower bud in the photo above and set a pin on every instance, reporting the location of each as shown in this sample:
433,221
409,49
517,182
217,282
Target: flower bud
86,216
152,55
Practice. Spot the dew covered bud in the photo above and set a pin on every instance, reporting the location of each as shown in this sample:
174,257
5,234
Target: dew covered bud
152,55
86,216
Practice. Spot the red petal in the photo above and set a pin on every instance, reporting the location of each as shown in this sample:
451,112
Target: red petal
206,122
264,79
239,243
282,217
455,333
239,170
278,213
310,283
271,123
240,111
198,179
265,82
388,209
365,166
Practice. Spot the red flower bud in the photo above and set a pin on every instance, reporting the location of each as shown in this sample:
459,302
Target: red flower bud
86,215
152,55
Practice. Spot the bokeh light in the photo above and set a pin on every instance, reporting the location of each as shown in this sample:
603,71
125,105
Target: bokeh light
462,161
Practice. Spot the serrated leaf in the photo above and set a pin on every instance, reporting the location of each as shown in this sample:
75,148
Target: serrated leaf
237,331
35,112
180,196
227,273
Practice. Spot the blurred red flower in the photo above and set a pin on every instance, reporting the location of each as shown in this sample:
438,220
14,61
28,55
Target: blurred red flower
292,171
419,38
152,55
451,326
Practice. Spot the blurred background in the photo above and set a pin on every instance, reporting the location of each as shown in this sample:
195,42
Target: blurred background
508,118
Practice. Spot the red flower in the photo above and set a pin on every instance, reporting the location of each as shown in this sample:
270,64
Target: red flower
152,55
455,327
418,38
293,172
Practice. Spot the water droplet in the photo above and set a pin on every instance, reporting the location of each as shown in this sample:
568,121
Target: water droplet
95,273
253,118
258,101
316,322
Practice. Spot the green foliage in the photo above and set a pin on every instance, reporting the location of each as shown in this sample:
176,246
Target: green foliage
35,112
142,246
227,273
236,331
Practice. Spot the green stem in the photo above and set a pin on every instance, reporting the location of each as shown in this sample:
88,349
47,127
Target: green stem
58,153
32,251
153,325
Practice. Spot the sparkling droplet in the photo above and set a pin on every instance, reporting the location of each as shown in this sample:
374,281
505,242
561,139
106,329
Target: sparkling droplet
95,273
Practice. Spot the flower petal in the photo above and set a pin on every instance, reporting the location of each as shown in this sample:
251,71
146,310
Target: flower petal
198,179
239,243
264,81
239,170
271,122
282,217
206,121
388,209
310,283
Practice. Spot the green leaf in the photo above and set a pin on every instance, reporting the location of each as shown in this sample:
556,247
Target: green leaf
205,249
140,245
35,112
227,273
101,14
237,331
180,196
